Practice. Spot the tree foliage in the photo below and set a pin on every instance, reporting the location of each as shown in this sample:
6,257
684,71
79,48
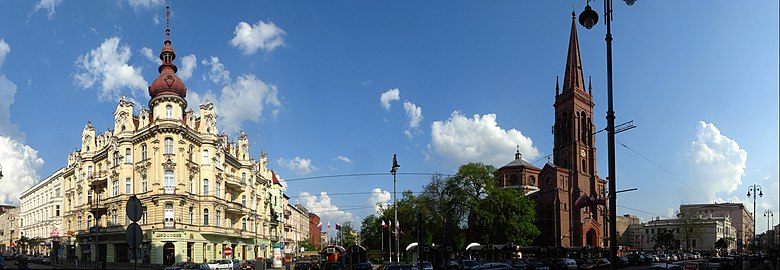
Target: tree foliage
666,239
465,207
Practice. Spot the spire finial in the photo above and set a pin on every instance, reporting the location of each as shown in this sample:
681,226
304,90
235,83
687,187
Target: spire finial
573,11
167,23
590,85
517,154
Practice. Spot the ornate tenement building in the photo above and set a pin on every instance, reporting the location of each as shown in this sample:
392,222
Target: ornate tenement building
200,191
40,216
572,172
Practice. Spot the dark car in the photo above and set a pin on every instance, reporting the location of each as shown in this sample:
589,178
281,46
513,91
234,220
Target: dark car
492,266
187,266
622,261
332,266
596,264
535,265
399,266
451,265
563,264
303,266
363,266
467,264
517,264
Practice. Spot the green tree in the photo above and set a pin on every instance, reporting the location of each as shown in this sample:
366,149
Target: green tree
722,245
306,244
347,235
665,239
371,236
690,228
505,215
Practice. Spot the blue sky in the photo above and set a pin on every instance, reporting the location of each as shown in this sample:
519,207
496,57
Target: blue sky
338,87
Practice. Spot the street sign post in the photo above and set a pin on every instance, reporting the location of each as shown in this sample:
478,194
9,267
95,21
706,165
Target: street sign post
134,209
228,251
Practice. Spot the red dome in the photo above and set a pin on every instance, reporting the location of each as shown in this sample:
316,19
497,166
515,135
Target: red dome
167,84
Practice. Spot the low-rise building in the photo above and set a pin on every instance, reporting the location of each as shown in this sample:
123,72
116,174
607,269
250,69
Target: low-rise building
739,215
9,230
696,234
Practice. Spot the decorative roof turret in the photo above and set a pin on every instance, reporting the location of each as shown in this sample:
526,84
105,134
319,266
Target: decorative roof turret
167,83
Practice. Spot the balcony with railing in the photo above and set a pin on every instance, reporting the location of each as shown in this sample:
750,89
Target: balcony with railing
169,223
98,179
232,182
169,190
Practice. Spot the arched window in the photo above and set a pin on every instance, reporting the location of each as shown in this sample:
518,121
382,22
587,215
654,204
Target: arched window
205,190
205,158
89,197
144,183
128,186
531,181
128,156
89,222
115,188
143,152
218,190
168,111
168,146
205,217
243,200
80,224
117,159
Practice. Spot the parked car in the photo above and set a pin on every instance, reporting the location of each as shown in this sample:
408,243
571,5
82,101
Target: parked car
564,264
399,266
332,266
183,266
596,264
363,266
536,265
248,264
224,264
467,264
45,260
622,261
424,265
492,266
666,266
517,264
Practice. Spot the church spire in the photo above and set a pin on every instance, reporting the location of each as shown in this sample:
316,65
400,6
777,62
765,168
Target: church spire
572,78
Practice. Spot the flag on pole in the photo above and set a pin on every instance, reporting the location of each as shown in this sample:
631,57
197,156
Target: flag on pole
383,224
319,226
328,224
338,227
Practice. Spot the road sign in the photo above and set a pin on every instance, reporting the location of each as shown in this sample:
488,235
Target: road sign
134,209
228,251
133,235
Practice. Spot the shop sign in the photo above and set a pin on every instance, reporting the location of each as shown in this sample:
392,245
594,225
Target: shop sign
168,235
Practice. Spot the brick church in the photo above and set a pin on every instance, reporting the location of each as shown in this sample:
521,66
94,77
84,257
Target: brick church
567,189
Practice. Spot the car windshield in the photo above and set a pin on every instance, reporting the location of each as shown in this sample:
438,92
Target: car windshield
469,263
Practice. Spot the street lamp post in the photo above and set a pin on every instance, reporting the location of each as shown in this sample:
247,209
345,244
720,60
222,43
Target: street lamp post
589,18
769,217
755,189
393,170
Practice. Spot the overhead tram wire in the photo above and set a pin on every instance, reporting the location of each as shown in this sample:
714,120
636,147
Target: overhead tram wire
357,174
349,193
664,169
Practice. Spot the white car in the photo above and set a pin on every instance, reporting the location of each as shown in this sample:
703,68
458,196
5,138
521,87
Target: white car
224,264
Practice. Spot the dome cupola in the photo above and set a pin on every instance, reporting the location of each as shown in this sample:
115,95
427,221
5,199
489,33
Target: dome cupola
167,83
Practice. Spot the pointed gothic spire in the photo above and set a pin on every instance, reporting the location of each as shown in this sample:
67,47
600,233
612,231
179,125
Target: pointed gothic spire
557,89
572,78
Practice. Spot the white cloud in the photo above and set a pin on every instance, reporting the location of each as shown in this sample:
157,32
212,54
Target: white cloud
47,5
246,99
717,162
5,49
344,159
7,95
188,64
218,74
299,165
323,207
414,113
478,139
387,97
380,199
20,163
149,4
107,65
148,53
250,38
